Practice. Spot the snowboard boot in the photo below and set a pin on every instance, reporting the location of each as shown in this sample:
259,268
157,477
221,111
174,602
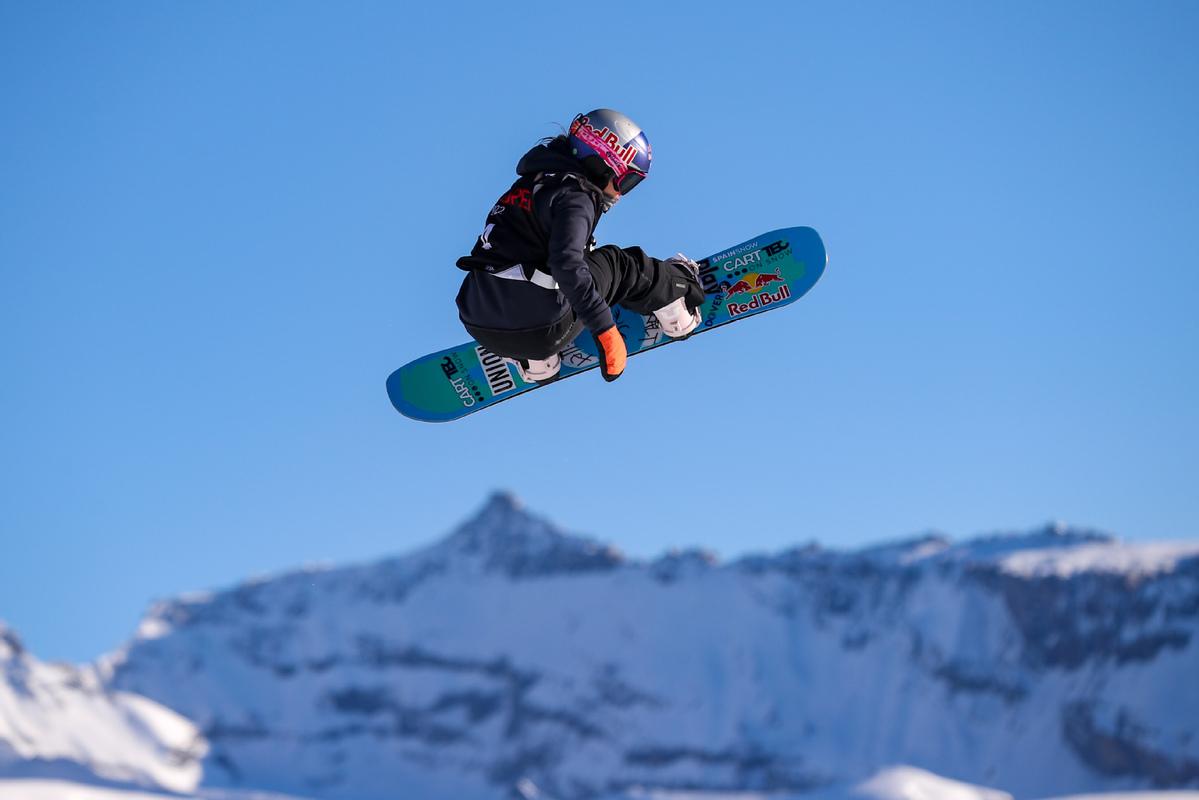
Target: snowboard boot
539,372
677,320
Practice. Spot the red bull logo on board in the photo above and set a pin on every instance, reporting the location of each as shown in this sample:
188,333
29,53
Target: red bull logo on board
760,299
754,282
767,278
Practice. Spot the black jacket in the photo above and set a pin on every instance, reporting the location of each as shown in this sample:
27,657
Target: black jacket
545,221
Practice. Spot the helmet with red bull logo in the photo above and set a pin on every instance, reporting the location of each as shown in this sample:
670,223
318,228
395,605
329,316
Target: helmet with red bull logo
611,144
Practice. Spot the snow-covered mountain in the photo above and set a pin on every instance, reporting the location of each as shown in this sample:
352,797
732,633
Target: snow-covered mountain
889,783
510,659
59,721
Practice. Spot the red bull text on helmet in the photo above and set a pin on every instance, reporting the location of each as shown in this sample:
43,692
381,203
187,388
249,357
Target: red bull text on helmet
606,144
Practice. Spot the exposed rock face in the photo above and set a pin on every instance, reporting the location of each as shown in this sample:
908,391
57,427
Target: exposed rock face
1121,749
510,656
507,541
1068,622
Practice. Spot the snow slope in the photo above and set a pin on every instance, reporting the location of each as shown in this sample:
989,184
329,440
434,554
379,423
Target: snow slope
61,721
893,783
50,789
511,658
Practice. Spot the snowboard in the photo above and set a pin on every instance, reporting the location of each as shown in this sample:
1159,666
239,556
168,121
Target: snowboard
759,275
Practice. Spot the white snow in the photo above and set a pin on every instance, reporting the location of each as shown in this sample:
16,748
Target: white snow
1176,795
1136,561
48,789
509,657
63,718
910,783
30,789
153,628
895,783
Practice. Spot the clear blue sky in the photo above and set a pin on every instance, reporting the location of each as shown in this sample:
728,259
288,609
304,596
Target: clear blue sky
222,225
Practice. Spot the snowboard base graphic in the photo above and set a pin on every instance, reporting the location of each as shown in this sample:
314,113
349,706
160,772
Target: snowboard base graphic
762,274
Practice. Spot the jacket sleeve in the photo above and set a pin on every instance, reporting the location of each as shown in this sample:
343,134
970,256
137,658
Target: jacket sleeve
572,219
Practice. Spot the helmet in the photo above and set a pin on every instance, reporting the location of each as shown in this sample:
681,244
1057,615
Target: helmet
610,142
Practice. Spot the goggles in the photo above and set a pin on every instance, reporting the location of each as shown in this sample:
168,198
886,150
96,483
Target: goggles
625,183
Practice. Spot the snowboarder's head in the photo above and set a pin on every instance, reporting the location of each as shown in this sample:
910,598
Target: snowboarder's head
611,147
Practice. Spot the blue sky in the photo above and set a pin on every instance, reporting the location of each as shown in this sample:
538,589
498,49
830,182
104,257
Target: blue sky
223,225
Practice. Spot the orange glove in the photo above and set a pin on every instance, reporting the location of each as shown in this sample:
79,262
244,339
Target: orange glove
612,353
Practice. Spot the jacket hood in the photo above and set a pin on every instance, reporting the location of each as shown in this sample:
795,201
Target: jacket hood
553,156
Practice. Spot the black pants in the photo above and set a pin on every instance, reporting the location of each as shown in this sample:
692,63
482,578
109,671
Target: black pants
625,276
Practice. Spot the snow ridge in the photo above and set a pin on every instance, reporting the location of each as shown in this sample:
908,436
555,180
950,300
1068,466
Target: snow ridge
511,659
511,654
59,721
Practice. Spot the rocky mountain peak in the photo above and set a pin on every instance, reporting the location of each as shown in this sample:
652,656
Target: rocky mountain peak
505,538
1049,662
10,643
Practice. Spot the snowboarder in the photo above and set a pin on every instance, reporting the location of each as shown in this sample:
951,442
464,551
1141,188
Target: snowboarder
535,278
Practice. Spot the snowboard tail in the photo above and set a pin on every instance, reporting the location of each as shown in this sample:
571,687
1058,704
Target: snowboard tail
758,275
